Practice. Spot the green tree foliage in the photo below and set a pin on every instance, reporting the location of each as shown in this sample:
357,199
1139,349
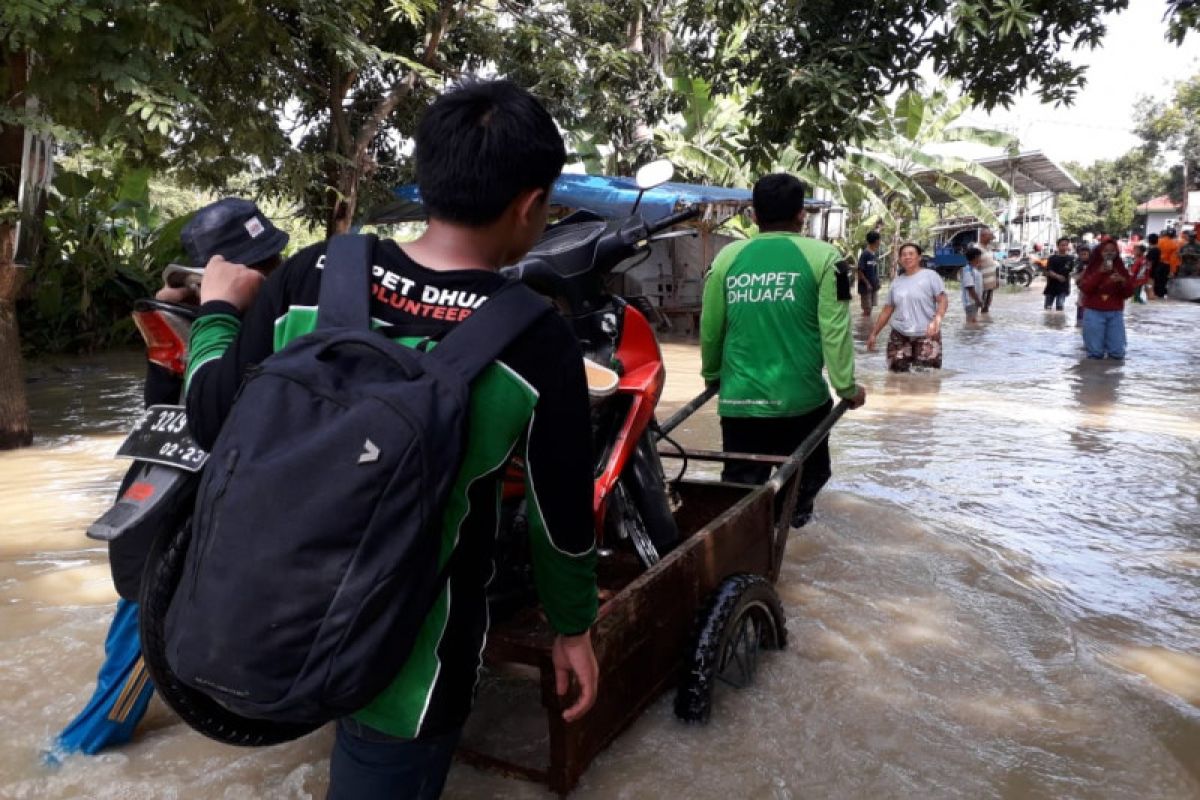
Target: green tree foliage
1119,219
822,65
1171,129
878,183
599,66
105,245
1183,16
1077,216
706,138
1102,185
100,69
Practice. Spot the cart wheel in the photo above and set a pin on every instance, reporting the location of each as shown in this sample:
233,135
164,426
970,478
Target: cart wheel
164,567
742,617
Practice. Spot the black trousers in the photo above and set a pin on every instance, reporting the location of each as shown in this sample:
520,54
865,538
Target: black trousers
778,436
1161,273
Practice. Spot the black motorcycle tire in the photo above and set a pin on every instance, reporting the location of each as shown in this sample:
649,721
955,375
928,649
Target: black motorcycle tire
1023,278
647,491
164,567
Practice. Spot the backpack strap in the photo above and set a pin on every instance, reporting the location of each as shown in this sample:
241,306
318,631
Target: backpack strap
479,340
345,297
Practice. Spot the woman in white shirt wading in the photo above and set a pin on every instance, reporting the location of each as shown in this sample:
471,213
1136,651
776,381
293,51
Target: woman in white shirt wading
915,306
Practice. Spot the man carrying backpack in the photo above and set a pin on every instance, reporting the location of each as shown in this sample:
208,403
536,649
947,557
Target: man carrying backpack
487,155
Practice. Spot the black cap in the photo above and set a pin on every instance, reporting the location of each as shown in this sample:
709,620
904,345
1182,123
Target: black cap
233,228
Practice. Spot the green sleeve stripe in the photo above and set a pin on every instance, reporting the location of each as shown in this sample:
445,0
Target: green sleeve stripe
211,336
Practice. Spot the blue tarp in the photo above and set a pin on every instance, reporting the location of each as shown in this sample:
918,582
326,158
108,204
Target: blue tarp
614,197
604,194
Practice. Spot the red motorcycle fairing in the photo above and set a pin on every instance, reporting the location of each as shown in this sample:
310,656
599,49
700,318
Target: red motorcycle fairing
642,379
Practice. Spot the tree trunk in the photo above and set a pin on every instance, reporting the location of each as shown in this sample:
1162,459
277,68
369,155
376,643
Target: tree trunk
14,411
354,160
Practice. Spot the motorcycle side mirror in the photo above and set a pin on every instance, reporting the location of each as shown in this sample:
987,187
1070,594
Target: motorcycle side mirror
656,173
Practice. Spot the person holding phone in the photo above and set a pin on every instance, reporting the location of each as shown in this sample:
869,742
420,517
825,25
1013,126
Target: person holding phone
1105,286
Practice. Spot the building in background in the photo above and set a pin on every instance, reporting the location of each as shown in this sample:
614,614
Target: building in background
1160,212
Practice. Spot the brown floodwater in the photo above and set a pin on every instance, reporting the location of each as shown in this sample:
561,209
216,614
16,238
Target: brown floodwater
999,597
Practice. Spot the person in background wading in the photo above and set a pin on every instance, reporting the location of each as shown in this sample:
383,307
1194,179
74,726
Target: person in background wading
868,274
1169,246
1160,271
988,269
1140,270
772,317
487,154
1189,256
971,284
915,306
1082,254
237,230
1058,276
1106,285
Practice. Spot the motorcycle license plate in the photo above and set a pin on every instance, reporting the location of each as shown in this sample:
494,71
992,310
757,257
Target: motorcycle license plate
161,437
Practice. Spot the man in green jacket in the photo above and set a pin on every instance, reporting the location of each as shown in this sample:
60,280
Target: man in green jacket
771,319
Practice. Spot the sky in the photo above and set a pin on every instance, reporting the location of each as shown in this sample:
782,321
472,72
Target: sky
1133,61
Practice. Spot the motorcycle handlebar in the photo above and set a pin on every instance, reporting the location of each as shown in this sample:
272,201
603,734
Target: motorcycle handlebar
672,220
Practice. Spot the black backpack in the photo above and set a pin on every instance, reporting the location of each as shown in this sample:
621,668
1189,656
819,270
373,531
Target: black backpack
314,557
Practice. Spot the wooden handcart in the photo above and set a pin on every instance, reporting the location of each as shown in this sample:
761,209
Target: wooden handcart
695,619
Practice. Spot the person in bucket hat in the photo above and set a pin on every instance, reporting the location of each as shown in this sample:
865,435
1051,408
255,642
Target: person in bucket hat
236,230
232,228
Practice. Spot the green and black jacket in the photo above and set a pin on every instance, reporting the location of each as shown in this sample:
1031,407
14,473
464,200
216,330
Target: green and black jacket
532,403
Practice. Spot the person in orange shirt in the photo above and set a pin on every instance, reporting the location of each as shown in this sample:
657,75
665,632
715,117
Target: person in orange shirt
1169,246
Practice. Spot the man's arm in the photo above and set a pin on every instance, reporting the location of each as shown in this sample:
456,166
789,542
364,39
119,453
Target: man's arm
558,477
935,325
863,283
225,342
837,345
712,321
558,486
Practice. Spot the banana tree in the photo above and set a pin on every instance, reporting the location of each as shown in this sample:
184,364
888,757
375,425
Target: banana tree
885,180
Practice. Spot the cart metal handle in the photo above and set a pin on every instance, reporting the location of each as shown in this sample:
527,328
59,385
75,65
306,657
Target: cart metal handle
784,477
784,473
693,405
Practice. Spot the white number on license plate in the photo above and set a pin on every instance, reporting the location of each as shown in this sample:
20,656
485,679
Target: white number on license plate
161,437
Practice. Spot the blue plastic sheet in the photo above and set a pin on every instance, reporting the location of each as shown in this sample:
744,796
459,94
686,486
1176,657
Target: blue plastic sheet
604,195
123,690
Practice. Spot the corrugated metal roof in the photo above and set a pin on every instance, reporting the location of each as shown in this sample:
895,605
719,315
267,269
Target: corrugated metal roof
1026,173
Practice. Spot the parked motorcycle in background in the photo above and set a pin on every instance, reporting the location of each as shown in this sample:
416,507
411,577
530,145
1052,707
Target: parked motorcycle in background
1016,271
